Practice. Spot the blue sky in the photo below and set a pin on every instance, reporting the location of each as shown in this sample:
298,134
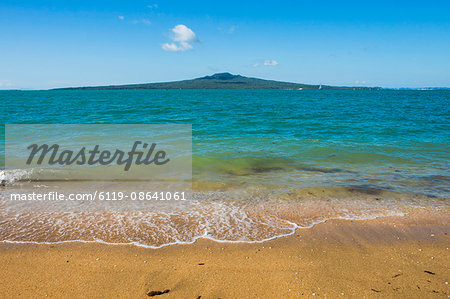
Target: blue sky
45,44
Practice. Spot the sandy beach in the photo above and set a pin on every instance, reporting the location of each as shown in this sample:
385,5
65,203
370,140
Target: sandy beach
393,256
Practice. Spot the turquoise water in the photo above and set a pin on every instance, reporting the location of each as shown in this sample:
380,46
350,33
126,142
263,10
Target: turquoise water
265,162
396,140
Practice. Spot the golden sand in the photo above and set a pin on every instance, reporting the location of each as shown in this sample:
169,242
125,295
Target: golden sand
395,256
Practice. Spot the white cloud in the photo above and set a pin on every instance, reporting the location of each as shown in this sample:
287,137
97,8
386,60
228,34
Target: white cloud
5,84
176,47
182,39
270,62
183,34
142,21
152,6
121,18
267,62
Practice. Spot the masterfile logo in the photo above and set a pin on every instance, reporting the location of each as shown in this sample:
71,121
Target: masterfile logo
100,152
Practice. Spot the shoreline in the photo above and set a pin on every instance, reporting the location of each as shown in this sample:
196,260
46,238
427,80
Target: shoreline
383,256
295,229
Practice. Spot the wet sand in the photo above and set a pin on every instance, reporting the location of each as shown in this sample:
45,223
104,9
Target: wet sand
393,256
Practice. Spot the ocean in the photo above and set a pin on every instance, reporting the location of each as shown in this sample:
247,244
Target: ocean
264,162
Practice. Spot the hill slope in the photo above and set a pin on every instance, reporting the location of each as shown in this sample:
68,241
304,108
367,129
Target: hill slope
218,81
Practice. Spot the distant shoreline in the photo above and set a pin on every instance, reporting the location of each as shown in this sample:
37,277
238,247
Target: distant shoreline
348,88
220,81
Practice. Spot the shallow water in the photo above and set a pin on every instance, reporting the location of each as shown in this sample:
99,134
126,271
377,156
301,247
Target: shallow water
264,161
